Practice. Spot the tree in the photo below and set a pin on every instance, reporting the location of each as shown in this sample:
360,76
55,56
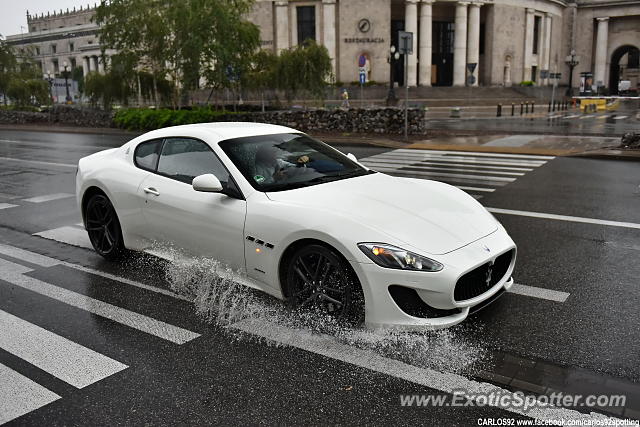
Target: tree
262,73
8,64
306,67
180,39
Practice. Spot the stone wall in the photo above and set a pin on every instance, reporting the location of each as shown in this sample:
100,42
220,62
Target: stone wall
381,120
59,115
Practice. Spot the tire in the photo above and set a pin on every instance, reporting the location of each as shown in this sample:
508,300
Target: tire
318,278
104,228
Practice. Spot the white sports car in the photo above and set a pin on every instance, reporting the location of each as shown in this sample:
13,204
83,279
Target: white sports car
299,220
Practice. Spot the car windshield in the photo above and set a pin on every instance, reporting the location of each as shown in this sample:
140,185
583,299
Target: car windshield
290,160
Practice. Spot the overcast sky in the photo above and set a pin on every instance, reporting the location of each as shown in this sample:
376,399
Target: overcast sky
14,12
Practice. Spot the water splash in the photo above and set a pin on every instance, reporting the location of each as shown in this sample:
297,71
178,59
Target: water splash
219,299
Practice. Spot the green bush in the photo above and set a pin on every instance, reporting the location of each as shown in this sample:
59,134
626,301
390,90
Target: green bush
149,119
527,83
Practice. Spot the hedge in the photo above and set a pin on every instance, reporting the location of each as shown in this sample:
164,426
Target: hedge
148,119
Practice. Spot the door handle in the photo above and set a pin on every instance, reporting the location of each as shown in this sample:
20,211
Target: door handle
151,190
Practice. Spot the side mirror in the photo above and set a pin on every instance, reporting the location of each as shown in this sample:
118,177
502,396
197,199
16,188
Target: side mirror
207,183
352,157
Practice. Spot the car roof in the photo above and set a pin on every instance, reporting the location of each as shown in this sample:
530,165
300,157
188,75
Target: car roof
220,131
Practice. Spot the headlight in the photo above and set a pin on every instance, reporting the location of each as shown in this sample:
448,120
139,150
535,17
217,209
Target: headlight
393,257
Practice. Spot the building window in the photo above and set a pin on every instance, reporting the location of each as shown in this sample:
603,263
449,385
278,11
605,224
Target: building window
33,29
71,46
37,50
53,48
536,33
72,61
534,73
306,23
482,38
56,67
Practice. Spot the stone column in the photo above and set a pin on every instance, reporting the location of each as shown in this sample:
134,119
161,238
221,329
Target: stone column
282,25
546,57
425,43
85,66
473,41
460,45
528,45
411,25
92,64
100,60
329,30
602,39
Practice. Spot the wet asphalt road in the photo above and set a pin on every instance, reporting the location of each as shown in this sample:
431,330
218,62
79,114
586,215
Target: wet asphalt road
588,342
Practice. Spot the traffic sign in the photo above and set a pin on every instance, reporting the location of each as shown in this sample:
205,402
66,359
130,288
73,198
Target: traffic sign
471,66
471,79
363,78
544,74
405,40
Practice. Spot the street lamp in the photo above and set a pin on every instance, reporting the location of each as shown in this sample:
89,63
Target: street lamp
572,60
393,56
49,79
65,73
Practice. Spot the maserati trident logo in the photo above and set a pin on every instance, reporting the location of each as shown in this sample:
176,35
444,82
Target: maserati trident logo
487,279
486,248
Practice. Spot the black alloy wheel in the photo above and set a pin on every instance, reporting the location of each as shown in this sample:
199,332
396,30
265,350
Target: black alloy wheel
103,227
319,279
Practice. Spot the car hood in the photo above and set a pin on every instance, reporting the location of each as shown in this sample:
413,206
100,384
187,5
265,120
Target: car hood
432,217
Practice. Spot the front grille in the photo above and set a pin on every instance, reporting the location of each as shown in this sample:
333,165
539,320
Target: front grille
410,302
475,283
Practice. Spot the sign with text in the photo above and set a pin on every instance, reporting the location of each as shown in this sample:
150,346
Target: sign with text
405,41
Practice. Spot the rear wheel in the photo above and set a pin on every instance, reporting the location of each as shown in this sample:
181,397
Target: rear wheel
103,227
318,278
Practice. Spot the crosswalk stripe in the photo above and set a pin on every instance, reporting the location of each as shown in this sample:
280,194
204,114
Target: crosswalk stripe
70,235
6,206
48,198
60,357
534,291
477,154
14,274
428,168
471,165
555,116
19,395
571,116
478,178
45,261
587,116
450,181
483,189
604,116
458,159
620,117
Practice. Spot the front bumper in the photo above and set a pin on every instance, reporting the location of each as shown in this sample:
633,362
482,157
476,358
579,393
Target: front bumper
436,290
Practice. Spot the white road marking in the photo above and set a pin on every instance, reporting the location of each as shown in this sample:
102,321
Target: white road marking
476,196
45,261
555,116
7,206
588,116
565,218
456,159
70,235
48,198
620,117
428,168
533,291
19,395
38,162
442,381
477,153
486,190
60,357
477,178
14,274
571,116
445,162
604,116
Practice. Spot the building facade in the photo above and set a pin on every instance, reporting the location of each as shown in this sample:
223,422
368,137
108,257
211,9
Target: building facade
455,43
63,37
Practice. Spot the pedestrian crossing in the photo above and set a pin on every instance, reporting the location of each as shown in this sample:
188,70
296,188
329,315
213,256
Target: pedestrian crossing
566,116
477,173
31,200
34,337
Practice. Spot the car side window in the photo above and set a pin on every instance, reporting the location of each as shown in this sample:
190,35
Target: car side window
146,154
184,158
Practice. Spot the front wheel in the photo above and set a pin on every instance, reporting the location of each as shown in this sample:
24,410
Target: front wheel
318,278
103,227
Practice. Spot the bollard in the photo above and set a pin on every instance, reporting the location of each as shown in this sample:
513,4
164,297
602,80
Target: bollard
526,107
499,112
521,108
549,106
513,108
533,106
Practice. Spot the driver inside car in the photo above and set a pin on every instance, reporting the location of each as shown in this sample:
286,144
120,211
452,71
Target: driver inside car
270,168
